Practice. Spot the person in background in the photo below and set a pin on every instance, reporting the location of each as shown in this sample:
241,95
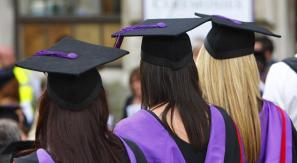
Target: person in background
174,124
229,78
264,56
9,133
281,86
9,100
262,67
73,112
13,112
265,45
133,103
21,78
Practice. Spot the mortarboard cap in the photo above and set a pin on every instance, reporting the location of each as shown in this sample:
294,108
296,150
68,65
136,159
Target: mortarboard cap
165,42
229,38
73,80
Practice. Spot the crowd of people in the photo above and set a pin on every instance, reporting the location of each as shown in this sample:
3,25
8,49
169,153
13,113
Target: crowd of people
228,102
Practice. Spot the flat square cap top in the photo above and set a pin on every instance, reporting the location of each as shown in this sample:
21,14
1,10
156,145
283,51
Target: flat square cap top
165,41
229,38
162,27
237,24
71,57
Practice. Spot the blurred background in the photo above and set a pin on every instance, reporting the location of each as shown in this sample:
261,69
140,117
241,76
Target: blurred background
27,26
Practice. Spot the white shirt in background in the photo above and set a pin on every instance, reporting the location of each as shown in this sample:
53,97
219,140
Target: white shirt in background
132,109
281,88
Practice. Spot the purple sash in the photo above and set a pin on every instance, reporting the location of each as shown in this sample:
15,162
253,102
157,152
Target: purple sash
216,147
271,134
157,144
43,156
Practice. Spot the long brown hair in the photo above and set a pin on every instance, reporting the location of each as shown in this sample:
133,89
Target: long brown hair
77,136
178,89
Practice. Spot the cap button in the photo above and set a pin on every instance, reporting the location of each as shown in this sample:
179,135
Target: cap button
72,55
161,25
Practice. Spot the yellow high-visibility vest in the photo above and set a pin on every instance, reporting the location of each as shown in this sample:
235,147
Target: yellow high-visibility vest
25,92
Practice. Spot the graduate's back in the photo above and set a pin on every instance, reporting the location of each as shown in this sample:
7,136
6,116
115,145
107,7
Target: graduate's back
176,124
73,112
229,78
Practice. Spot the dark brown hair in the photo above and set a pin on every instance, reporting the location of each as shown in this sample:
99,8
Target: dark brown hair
178,89
77,136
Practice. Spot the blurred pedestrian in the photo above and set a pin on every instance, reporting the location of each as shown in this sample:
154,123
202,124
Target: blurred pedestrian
19,82
265,45
264,56
9,132
133,102
280,86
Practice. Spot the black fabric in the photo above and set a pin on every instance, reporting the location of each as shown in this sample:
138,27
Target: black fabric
15,147
89,57
294,144
31,158
9,112
140,158
5,76
127,103
292,62
190,154
232,150
174,52
223,43
229,38
174,27
74,92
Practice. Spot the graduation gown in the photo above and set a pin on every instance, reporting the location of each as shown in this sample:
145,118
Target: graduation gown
159,146
278,139
133,154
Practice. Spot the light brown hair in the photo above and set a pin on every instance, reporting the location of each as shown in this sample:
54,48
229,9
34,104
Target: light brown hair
233,85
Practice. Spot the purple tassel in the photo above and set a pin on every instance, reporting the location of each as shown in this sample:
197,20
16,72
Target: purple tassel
58,54
120,38
233,20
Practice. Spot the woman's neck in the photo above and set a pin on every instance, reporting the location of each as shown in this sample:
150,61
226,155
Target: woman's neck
175,123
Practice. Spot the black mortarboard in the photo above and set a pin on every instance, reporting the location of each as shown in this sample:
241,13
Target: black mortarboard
73,80
229,38
9,112
165,42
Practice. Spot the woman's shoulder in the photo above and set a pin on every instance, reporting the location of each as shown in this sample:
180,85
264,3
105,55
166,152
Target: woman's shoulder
38,156
269,108
217,111
133,121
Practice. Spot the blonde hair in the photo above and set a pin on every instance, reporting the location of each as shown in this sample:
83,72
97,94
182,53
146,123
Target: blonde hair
233,85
